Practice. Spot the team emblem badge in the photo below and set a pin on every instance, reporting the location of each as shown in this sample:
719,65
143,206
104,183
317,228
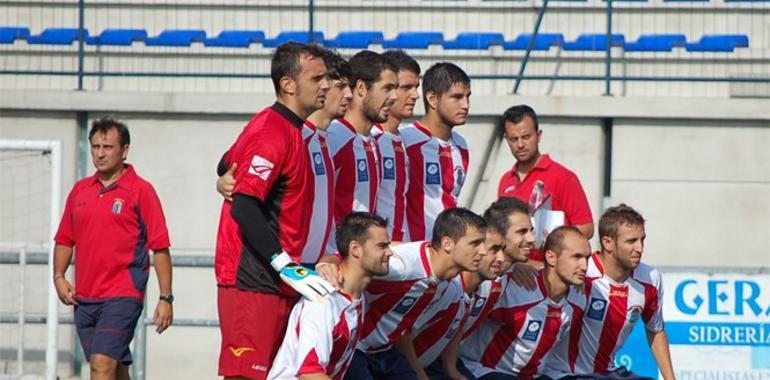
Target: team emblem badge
432,176
633,314
117,207
596,309
405,305
533,330
389,166
459,176
363,173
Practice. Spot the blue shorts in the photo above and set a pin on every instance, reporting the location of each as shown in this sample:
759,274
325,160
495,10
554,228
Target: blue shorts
436,370
107,327
620,373
386,365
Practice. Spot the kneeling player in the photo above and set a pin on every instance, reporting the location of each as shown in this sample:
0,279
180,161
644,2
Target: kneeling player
322,335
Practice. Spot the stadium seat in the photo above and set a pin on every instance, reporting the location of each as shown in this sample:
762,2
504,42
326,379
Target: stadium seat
474,41
177,37
118,37
594,42
656,42
297,36
235,38
542,41
57,36
355,40
725,43
414,40
11,33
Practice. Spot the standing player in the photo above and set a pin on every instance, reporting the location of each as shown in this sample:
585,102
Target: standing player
419,274
263,230
391,198
438,156
619,290
112,219
322,336
354,151
520,331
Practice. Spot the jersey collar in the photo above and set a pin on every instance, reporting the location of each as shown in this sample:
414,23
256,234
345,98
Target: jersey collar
126,180
288,114
542,164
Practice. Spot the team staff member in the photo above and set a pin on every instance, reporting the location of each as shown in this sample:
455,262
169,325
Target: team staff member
112,272
263,230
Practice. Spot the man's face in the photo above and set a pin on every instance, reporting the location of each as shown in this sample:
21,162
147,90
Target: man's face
491,264
406,95
380,97
338,98
469,249
572,262
523,139
628,246
311,83
376,252
452,106
519,239
107,153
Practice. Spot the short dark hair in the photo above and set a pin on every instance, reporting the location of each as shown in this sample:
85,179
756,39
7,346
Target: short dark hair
106,123
616,216
355,227
337,68
454,223
440,77
402,61
555,240
368,67
285,61
516,114
498,212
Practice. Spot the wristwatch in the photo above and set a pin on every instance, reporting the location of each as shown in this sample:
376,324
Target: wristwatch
168,298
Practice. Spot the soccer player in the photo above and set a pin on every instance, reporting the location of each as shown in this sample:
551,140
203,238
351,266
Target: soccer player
619,290
112,219
420,273
523,326
322,336
391,198
438,156
354,151
263,230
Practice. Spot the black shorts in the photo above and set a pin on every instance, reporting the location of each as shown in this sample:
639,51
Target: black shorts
107,327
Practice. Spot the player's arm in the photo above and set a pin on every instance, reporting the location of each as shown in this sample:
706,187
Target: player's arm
315,376
164,311
659,345
586,229
450,355
62,256
405,346
226,177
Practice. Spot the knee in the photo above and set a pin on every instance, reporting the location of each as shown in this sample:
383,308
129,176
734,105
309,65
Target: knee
102,364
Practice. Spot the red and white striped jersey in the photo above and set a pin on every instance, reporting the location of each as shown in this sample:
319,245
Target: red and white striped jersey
322,217
481,303
391,198
437,172
519,332
604,318
356,161
440,322
320,338
395,301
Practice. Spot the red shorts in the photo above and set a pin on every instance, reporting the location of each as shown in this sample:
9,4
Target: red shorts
252,326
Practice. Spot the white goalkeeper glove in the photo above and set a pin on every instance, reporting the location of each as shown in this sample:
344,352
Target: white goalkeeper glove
304,280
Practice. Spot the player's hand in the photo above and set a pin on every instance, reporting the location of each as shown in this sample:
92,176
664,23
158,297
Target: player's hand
454,374
304,280
226,183
524,276
329,270
164,316
65,290
421,375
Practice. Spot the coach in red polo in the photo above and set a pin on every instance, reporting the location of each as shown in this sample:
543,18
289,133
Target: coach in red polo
112,219
523,133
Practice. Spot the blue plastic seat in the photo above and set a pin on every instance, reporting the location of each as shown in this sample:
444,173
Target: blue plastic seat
656,42
594,42
235,38
10,34
355,40
177,37
475,41
542,41
296,36
725,43
57,36
118,37
414,40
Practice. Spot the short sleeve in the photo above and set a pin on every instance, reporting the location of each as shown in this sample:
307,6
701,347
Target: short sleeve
574,202
151,213
65,235
315,340
652,315
261,162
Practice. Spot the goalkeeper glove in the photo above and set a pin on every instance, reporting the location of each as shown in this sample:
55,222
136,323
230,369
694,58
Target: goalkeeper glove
304,280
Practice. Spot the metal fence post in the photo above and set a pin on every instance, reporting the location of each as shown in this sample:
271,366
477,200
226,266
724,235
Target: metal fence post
140,345
530,46
81,41
608,51
311,21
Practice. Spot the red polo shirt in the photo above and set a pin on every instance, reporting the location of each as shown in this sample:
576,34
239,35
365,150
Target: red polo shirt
112,228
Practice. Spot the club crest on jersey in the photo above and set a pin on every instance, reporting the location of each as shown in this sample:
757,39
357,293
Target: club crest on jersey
389,166
432,176
459,176
453,329
596,309
532,331
362,170
634,313
117,206
405,305
318,164
261,167
478,306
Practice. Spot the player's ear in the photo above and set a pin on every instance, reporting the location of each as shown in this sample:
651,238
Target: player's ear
551,257
432,99
355,250
360,88
288,85
447,244
608,243
124,154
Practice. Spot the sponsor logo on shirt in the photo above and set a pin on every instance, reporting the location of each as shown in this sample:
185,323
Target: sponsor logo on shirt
318,164
240,350
362,170
117,207
554,313
478,306
405,305
509,189
261,167
619,293
432,176
532,331
388,163
596,309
